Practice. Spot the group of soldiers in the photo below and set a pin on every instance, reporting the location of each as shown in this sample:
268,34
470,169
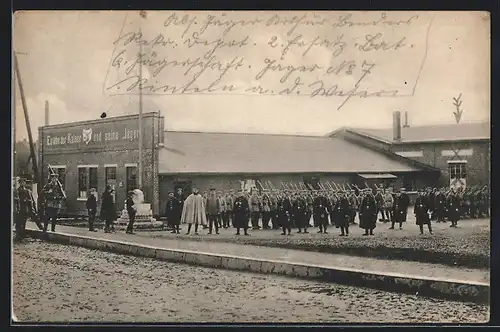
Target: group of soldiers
286,209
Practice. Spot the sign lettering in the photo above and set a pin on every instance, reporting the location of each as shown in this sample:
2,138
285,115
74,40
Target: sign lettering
87,136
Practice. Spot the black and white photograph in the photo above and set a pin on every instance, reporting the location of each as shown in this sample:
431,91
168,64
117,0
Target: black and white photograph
220,167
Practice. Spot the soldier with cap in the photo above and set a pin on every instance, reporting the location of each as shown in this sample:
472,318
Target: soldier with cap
453,202
254,209
23,208
131,211
421,211
440,205
229,199
212,211
53,195
344,214
108,210
194,212
320,214
266,211
368,212
241,210
173,212
285,213
300,214
91,205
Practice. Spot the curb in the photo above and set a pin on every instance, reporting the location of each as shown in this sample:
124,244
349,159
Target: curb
454,290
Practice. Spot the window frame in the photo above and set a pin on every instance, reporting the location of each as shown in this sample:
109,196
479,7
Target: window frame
127,167
87,181
457,169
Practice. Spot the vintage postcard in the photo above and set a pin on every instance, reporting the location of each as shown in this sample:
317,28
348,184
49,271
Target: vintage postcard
251,166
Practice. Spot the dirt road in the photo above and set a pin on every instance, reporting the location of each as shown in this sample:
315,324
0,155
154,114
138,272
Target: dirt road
62,283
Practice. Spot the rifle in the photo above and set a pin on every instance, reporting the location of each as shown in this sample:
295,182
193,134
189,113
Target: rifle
52,172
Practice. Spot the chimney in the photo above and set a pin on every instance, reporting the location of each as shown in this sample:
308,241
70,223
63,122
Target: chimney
396,125
406,125
46,112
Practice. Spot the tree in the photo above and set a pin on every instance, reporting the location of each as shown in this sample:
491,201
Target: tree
22,160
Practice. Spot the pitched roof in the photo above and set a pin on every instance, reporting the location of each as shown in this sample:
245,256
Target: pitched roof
194,152
434,133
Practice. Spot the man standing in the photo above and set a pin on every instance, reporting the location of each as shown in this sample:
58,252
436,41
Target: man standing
453,208
300,213
266,211
53,194
221,216
273,205
320,214
368,213
212,211
284,214
193,212
131,212
173,212
344,215
91,206
254,210
229,208
379,199
23,207
440,206
108,210
400,211
241,211
388,204
421,211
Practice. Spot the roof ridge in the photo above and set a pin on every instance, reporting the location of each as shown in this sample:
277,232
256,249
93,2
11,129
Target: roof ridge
241,133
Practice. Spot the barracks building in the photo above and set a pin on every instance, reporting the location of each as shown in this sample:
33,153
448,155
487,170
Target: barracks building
92,154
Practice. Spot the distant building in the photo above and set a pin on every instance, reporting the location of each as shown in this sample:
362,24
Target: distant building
93,154
460,151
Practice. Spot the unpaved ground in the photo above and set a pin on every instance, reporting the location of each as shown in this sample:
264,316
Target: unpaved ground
63,283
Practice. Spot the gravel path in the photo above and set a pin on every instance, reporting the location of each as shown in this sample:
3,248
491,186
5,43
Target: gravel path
63,283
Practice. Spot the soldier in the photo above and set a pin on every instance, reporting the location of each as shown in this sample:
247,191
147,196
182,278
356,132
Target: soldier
266,211
353,200
212,211
431,200
108,210
285,213
91,206
254,209
241,210
229,207
173,212
205,198
399,213
23,208
131,210
273,206
53,194
484,203
222,209
309,212
440,205
379,199
344,215
421,211
453,202
388,204
300,214
368,212
320,208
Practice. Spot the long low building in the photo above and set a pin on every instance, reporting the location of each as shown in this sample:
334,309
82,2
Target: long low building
91,154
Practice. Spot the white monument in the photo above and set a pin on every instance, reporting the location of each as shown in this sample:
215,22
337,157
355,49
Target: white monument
143,216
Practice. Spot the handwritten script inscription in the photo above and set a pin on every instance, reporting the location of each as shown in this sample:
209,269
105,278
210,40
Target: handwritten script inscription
324,54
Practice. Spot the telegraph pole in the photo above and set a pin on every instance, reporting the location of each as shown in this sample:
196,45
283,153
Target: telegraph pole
140,117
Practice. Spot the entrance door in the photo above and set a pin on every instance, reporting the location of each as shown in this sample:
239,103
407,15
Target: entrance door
110,178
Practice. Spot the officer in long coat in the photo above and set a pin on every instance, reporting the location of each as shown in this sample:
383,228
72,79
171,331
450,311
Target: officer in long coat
320,213
285,214
344,215
453,203
241,212
368,213
300,214
108,210
421,211
440,206
173,212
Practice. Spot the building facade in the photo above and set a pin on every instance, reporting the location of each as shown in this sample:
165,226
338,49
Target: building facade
93,154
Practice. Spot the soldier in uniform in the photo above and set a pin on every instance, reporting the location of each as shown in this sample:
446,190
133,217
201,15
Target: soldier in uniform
173,212
241,210
453,202
353,200
484,203
23,208
108,210
344,215
421,211
320,213
266,211
222,209
254,210
368,212
212,208
53,194
440,206
379,199
91,206
300,214
229,207
431,200
388,204
130,205
285,213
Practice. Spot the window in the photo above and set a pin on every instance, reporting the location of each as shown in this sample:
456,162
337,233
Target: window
110,174
457,170
61,171
131,178
87,179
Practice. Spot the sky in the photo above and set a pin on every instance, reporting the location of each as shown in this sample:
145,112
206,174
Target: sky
64,58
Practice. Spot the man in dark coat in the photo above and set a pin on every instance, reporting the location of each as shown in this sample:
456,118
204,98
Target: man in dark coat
23,207
320,213
173,212
300,213
344,215
108,210
440,206
285,214
368,213
241,211
91,205
421,211
453,202
401,202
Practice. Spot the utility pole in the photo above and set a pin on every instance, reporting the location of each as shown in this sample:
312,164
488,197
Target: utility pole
140,117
